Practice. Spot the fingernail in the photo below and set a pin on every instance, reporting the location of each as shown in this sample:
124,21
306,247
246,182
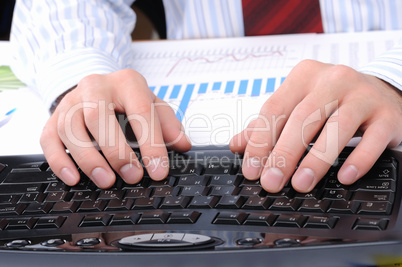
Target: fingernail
272,179
101,177
67,176
303,179
157,168
130,173
348,174
252,168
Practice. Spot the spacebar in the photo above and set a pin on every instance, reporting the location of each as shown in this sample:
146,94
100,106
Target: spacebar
30,178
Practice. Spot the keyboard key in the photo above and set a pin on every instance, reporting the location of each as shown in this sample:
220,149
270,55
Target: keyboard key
58,196
246,182
2,167
84,196
231,202
167,182
30,178
125,219
313,194
174,202
186,169
138,193
284,193
252,191
225,180
65,207
32,197
193,181
373,196
234,218
341,206
153,217
314,205
224,191
260,219
388,171
95,220
375,208
341,194
326,222
92,206
375,185
184,217
257,203
370,224
9,199
117,204
218,168
165,191
38,208
203,202
12,209
57,187
147,203
287,220
20,224
110,194
194,191
285,204
7,189
50,222
83,185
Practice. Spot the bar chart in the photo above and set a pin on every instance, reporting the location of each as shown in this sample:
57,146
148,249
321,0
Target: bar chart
183,94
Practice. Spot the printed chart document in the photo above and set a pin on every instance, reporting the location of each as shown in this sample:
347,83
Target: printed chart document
215,86
218,86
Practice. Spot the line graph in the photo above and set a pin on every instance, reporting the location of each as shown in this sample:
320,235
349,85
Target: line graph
234,57
230,59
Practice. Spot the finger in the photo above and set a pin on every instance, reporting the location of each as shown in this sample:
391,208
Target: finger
56,156
337,132
238,142
146,126
273,117
305,121
172,129
102,123
73,133
373,143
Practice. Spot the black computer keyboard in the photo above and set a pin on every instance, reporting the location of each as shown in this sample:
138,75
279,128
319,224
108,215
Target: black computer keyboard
205,204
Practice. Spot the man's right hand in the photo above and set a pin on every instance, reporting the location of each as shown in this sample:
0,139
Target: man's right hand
89,110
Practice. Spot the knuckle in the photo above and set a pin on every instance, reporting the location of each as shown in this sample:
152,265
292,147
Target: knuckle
273,106
83,158
114,153
340,73
47,134
286,153
90,81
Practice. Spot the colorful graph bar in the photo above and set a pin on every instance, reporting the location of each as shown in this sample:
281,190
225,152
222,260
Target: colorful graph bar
229,87
162,91
203,88
185,101
243,87
270,85
256,87
216,86
175,92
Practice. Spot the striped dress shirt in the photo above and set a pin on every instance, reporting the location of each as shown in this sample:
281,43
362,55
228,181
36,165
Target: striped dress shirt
56,43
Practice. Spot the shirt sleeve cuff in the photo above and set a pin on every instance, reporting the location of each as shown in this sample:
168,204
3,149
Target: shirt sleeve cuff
66,70
387,67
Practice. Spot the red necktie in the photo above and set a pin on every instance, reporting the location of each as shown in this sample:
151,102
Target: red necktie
262,17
